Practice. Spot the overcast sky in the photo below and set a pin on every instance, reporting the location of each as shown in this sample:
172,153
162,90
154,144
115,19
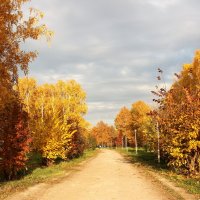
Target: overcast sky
113,47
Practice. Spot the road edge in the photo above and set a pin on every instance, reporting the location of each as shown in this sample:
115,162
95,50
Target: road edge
176,192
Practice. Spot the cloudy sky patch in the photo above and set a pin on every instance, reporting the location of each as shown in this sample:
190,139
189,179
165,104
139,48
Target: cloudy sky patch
113,47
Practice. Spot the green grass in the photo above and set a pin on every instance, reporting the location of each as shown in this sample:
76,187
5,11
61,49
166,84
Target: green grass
191,184
42,174
149,160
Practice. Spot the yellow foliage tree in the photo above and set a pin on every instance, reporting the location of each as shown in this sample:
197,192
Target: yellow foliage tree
141,122
56,117
179,119
105,135
123,122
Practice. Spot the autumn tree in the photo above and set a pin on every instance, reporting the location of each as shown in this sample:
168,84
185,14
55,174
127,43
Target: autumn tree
178,116
105,135
15,136
123,123
76,109
15,30
90,140
55,117
141,122
113,137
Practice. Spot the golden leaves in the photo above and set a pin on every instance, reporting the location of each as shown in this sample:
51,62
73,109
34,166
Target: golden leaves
104,134
14,30
56,114
178,116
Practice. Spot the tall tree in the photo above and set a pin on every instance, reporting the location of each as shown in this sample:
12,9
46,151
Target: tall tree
141,121
76,109
15,30
123,123
56,118
178,116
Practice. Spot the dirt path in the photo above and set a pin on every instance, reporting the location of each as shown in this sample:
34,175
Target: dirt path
107,177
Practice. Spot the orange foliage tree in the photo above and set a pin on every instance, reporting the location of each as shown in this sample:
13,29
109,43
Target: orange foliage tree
15,30
136,119
179,119
141,122
123,122
105,135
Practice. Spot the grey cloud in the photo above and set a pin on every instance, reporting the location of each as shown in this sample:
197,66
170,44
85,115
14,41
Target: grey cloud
113,47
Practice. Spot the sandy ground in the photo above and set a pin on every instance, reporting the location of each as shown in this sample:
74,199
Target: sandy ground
107,177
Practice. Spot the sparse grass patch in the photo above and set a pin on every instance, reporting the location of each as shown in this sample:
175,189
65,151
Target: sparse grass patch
191,184
42,174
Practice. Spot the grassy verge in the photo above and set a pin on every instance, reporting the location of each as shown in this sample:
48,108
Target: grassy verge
42,174
149,160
